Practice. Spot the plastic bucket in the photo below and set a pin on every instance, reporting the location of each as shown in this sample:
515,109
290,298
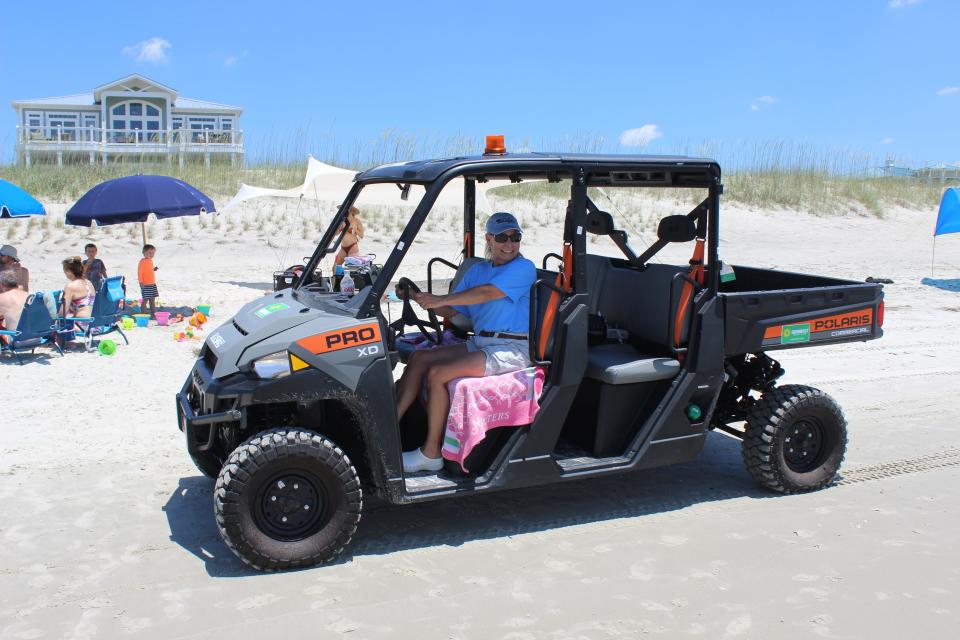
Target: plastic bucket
127,322
162,317
143,319
204,309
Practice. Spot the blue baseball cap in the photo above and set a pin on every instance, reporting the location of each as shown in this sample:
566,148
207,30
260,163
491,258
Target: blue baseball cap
502,221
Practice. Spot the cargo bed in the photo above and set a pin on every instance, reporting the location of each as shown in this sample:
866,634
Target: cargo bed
765,310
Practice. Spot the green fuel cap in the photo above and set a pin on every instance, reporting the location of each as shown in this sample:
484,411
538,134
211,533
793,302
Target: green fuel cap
694,412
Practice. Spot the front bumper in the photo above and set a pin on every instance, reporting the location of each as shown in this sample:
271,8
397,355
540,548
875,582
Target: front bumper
204,404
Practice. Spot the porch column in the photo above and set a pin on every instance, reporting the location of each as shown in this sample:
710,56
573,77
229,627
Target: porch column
26,157
59,158
93,157
206,159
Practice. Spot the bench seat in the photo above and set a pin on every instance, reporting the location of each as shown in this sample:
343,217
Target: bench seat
623,364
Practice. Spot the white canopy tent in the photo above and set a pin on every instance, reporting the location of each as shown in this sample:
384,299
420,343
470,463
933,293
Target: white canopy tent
325,182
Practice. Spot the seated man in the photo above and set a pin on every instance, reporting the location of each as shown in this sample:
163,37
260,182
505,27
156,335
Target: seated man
495,295
12,299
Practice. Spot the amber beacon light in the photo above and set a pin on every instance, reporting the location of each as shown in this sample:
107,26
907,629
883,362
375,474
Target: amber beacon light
495,146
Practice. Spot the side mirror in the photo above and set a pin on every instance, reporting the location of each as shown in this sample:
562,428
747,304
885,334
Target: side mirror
677,228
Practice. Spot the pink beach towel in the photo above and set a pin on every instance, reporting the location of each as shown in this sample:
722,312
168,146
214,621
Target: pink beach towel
480,404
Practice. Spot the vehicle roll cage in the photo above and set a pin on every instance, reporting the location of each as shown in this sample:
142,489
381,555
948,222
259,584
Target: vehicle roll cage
583,215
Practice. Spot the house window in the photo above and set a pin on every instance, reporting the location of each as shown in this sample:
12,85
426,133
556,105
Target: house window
135,116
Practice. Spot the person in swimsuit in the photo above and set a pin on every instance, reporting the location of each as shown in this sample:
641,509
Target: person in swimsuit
78,294
12,299
350,245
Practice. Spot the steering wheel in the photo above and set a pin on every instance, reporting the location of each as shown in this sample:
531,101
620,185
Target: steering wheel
405,288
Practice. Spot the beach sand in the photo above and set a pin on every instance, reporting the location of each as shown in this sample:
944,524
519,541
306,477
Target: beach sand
108,529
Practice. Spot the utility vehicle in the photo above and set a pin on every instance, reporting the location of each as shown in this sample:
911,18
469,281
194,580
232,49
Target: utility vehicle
290,405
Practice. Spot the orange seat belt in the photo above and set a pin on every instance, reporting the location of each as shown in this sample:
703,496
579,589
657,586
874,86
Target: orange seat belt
563,281
695,273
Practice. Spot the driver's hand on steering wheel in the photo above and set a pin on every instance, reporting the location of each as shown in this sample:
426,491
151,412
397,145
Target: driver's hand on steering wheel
428,300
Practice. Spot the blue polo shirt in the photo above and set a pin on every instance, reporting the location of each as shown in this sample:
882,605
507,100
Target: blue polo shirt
510,314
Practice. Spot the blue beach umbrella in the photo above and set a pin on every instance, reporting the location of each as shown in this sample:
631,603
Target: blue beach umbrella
17,203
133,198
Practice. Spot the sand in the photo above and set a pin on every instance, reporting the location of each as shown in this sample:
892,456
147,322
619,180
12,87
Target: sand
107,528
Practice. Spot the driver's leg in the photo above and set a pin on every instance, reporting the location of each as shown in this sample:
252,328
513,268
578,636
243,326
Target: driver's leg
470,365
420,361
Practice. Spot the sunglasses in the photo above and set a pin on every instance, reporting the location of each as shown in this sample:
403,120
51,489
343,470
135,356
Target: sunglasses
502,237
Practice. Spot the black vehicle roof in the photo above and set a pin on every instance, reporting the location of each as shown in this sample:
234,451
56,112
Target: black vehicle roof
424,171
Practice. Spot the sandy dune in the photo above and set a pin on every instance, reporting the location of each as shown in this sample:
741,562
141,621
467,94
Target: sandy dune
107,528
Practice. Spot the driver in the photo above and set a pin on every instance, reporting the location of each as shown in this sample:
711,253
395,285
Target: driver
495,295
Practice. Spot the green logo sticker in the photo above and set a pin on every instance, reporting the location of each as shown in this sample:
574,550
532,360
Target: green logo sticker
795,333
270,308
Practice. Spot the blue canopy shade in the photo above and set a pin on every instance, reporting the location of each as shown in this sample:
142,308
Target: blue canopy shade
948,220
133,198
17,203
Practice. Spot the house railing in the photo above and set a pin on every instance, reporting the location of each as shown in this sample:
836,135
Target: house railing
65,138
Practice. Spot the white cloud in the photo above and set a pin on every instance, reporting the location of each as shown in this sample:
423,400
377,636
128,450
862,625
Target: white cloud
897,4
152,50
233,59
762,101
948,91
887,141
640,137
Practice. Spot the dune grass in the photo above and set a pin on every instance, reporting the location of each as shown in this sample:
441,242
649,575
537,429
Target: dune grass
761,175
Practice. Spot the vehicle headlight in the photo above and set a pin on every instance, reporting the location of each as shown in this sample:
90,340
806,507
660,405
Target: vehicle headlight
274,365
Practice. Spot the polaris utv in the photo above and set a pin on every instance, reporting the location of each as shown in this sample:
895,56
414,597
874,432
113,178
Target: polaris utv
290,405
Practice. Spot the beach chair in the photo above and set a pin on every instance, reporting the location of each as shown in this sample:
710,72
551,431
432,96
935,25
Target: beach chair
36,328
106,314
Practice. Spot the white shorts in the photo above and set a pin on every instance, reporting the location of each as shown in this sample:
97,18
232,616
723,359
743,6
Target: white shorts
503,355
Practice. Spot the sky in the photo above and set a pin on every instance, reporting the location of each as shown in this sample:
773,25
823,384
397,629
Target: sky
878,77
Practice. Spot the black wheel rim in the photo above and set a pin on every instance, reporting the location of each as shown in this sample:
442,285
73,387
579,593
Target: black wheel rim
291,506
804,445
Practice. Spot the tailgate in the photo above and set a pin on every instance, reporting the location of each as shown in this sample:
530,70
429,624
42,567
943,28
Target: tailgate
788,318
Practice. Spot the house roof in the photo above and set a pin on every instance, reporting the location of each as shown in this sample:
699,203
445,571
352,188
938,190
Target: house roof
134,82
191,103
75,100
91,100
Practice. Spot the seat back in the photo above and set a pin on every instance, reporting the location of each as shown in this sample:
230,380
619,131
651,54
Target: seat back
644,303
461,321
35,320
106,304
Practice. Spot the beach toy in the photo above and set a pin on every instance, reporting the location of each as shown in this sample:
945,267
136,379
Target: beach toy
198,319
127,322
204,309
175,319
143,319
107,347
162,318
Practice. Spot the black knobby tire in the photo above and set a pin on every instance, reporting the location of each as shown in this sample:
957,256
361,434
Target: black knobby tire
266,489
796,437
208,463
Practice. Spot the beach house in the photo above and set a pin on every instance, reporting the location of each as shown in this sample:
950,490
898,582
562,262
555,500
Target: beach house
131,118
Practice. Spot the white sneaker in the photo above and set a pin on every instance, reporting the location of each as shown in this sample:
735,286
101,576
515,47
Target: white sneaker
414,461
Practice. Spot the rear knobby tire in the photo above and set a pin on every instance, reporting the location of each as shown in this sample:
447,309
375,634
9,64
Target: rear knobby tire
287,498
795,440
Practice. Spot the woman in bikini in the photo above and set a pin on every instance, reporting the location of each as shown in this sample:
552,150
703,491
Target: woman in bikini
350,245
79,293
